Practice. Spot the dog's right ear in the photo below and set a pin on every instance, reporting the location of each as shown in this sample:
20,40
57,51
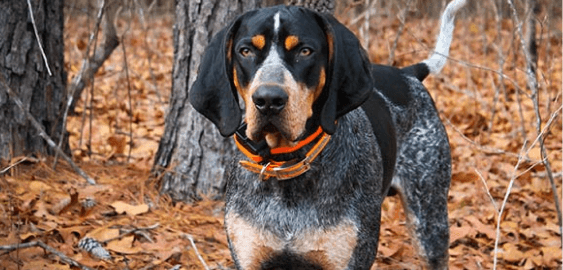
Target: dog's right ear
213,93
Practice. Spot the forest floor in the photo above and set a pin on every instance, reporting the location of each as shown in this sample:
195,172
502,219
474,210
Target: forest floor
491,124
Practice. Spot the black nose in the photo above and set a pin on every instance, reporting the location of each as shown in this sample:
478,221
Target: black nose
269,99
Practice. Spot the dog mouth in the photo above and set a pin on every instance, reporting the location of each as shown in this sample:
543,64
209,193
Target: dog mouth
274,133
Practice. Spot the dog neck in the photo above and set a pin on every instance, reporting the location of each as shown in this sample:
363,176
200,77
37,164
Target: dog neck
282,162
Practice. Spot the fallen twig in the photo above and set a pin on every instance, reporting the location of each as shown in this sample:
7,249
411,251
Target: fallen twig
140,230
196,251
44,134
3,171
46,247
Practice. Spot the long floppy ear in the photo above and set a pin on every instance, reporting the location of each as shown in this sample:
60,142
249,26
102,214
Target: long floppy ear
213,93
350,82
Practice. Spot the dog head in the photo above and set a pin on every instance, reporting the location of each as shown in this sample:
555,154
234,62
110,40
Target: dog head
294,69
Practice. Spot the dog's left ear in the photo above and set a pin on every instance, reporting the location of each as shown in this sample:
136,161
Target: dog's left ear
213,93
350,80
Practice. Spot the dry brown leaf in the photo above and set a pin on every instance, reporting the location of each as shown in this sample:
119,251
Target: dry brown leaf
551,255
133,210
118,143
163,248
529,264
38,186
488,230
534,257
40,265
465,177
103,234
25,237
458,250
510,252
457,233
124,245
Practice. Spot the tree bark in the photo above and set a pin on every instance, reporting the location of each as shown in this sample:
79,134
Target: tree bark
25,71
192,155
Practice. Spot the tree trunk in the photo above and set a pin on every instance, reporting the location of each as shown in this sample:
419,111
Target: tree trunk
24,70
192,155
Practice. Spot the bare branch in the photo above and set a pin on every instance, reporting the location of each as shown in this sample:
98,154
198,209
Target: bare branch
505,200
128,98
38,40
90,65
533,85
487,190
401,17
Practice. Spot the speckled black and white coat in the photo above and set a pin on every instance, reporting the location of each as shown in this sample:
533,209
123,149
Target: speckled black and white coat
387,138
345,183
341,186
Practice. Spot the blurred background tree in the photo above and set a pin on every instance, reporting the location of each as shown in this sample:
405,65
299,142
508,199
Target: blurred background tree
37,81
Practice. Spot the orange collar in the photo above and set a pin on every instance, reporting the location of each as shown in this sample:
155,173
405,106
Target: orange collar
282,170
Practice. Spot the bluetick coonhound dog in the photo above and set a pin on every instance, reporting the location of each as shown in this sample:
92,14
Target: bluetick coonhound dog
326,136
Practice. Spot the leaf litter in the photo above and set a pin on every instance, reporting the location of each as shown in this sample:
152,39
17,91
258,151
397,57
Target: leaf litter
123,222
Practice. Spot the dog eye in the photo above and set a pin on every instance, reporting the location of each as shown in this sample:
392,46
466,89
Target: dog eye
245,51
305,51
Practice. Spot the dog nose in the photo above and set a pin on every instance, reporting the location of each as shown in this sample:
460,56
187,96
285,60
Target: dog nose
270,99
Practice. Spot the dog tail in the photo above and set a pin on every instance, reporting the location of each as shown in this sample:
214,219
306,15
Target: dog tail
439,57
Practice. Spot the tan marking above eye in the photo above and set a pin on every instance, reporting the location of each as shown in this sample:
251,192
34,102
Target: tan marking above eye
291,42
259,41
